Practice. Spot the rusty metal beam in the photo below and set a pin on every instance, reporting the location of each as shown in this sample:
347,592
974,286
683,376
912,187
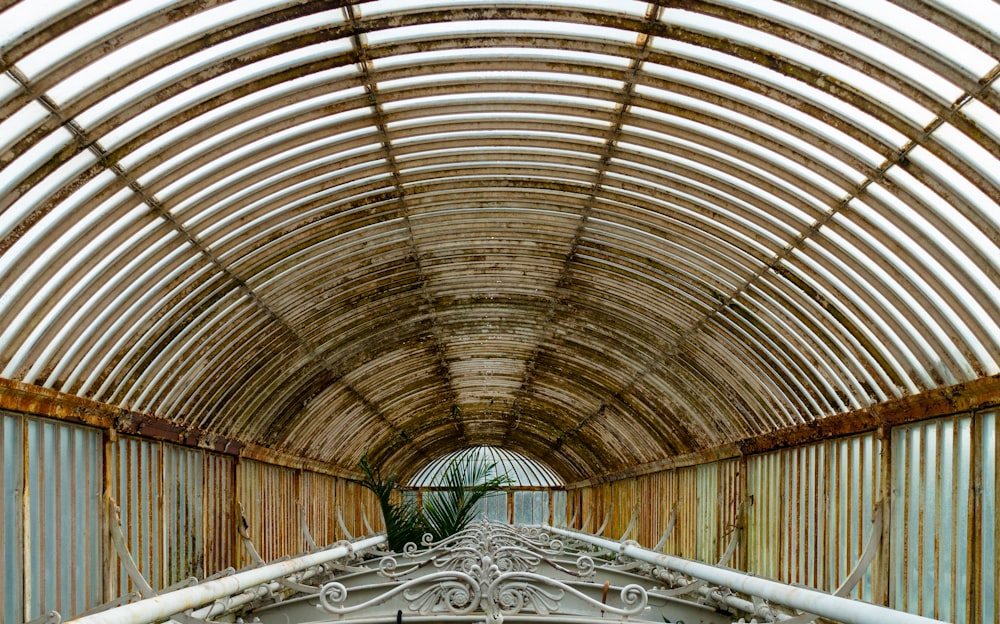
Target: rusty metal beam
969,397
25,398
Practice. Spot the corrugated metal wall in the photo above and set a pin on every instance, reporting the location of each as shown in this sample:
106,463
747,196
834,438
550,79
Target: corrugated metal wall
11,516
989,527
808,513
137,469
62,530
52,526
269,495
178,513
932,563
810,510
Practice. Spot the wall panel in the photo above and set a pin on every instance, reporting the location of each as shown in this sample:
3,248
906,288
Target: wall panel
731,510
852,480
269,494
11,517
137,469
765,514
931,561
319,506
709,504
220,541
989,539
63,532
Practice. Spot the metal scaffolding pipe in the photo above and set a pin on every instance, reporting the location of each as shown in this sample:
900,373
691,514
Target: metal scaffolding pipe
809,600
159,607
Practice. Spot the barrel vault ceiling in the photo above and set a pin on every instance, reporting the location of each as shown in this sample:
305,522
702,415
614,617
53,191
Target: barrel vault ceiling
601,234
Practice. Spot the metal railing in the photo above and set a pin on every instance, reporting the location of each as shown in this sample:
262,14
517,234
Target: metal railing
808,600
181,600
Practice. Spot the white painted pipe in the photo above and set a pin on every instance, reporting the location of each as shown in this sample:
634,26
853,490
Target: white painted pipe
809,600
160,607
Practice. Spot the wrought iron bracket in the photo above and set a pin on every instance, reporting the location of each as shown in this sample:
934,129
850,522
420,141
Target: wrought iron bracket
121,548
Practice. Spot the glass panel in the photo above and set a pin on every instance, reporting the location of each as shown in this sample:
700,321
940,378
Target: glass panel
876,91
89,33
11,517
23,17
549,79
897,18
990,523
464,55
440,30
222,84
932,481
382,7
146,47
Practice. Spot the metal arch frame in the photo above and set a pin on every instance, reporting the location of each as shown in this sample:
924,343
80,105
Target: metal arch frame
409,180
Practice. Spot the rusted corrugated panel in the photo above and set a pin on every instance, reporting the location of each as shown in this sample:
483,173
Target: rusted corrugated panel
137,472
11,516
990,545
268,494
219,517
63,533
357,504
731,497
708,507
663,486
685,535
650,513
932,564
319,503
183,520
765,514
622,495
802,489
853,483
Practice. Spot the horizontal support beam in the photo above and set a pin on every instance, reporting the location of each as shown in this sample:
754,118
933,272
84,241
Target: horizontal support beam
179,601
967,397
20,397
809,600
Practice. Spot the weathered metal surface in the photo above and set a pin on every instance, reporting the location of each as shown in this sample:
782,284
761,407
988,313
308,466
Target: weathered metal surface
621,240
681,226
933,566
989,525
63,531
218,512
137,472
268,495
12,513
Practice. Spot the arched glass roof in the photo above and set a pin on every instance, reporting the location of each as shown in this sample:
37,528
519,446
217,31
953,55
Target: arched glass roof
598,234
520,470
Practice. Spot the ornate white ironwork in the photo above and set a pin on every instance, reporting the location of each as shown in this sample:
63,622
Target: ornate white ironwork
451,592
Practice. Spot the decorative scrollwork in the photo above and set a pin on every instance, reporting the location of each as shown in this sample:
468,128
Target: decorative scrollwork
451,592
387,567
513,596
456,597
514,591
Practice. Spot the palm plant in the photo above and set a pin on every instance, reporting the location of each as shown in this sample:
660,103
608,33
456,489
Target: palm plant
446,511
403,521
463,484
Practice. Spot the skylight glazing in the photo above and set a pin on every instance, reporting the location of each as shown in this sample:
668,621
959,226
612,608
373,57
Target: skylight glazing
796,207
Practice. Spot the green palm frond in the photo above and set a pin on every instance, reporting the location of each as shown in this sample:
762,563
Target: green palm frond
403,520
463,483
446,511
